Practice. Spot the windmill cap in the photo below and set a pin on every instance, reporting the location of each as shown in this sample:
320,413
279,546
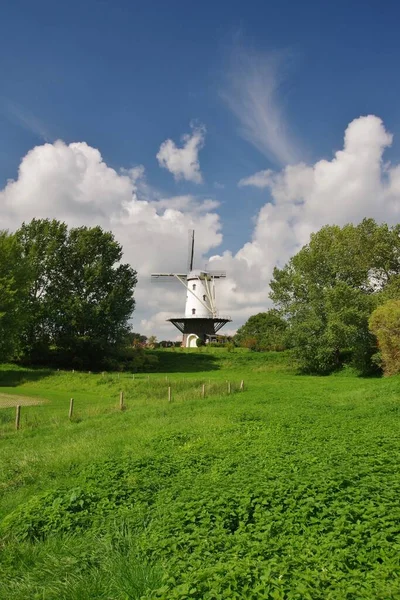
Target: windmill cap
196,273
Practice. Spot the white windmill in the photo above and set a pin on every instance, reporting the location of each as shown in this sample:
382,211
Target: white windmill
201,318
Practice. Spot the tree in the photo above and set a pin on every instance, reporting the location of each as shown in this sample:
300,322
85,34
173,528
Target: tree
136,339
81,296
152,341
328,290
263,331
385,325
44,246
14,281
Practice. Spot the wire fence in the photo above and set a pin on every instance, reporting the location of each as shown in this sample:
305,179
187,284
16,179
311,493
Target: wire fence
76,402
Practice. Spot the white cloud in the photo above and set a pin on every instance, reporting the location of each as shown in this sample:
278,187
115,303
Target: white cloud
353,185
73,183
183,162
186,203
253,93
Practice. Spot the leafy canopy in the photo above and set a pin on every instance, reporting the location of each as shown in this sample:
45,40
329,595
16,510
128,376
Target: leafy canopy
330,287
263,331
80,296
14,277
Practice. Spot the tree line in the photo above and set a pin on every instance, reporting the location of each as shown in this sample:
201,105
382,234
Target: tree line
336,302
65,296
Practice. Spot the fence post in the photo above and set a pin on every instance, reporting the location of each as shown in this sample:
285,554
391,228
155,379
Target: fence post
121,400
169,393
203,390
17,415
71,408
242,386
229,387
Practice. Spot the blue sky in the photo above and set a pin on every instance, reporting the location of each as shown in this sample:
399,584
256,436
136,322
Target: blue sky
126,76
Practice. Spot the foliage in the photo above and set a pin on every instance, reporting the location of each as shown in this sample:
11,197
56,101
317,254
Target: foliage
200,342
328,290
264,331
288,490
152,341
136,339
80,297
385,325
14,278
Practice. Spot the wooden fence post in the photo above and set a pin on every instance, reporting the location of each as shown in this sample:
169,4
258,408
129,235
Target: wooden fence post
169,393
121,400
17,415
229,387
203,390
242,386
71,408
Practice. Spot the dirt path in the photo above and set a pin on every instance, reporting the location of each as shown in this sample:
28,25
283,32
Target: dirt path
7,400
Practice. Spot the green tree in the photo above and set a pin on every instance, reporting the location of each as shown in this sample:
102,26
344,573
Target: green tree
14,281
263,331
136,339
328,290
44,245
152,341
385,325
81,295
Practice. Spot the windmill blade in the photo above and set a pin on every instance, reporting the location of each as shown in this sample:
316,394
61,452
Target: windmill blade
155,276
191,250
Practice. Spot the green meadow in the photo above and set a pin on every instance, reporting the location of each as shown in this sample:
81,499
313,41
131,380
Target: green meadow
288,489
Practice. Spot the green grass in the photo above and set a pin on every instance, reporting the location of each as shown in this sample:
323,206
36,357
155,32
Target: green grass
288,490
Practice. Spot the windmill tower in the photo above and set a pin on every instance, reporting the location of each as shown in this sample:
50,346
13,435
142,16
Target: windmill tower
201,319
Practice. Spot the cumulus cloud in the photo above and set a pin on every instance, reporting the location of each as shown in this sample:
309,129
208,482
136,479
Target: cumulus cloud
301,199
73,183
183,162
253,93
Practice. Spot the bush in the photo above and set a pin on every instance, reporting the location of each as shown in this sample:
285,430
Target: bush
385,324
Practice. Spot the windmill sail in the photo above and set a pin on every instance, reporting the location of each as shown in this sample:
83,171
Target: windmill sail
191,250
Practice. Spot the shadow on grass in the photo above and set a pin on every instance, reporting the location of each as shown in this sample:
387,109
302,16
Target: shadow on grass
185,362
13,376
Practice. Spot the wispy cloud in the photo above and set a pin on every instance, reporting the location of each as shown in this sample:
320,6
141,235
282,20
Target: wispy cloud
25,119
253,92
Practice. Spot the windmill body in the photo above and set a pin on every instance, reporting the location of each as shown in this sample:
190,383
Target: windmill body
201,319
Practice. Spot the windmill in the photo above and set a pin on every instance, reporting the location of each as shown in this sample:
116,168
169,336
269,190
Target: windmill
201,320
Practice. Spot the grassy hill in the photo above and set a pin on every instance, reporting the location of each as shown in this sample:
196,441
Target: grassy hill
287,490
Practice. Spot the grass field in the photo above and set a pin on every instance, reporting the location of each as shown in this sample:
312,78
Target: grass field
287,490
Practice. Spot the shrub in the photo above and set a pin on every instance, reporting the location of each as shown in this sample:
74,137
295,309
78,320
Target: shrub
385,324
